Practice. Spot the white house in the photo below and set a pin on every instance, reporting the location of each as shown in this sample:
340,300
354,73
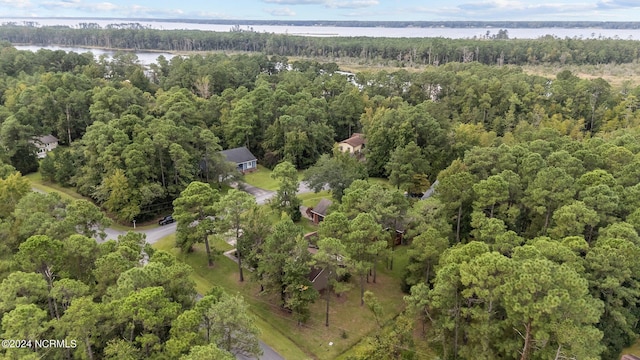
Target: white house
45,144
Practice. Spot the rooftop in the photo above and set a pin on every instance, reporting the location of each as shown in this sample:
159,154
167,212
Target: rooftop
322,207
46,139
357,139
430,191
238,155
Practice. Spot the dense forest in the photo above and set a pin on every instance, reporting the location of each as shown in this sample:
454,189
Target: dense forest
526,250
400,51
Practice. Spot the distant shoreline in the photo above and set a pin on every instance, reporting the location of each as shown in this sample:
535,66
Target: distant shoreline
385,24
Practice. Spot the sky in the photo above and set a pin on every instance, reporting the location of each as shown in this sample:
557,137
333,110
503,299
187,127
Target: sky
380,10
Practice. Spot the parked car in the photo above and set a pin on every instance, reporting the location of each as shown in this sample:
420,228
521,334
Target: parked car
166,220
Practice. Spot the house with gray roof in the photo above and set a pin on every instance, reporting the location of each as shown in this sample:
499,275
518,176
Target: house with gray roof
242,157
430,191
319,211
45,144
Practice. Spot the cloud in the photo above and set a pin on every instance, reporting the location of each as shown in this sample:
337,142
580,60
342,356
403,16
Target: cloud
296,2
209,15
618,4
21,4
108,7
280,11
518,6
352,4
335,4
506,10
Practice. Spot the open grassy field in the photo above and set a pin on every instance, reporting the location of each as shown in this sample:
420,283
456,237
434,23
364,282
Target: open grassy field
618,75
349,322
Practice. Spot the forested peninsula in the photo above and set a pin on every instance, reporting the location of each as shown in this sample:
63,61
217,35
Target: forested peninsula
491,214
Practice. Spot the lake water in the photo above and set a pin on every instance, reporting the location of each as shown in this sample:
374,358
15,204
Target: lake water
145,57
452,33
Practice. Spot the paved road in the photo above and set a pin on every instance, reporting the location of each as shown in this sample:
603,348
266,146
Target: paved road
261,195
153,235
267,354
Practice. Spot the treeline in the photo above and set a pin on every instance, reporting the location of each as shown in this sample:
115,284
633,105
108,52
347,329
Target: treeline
138,139
400,51
434,24
423,24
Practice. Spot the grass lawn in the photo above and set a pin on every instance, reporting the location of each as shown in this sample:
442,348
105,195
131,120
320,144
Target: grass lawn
312,199
349,322
632,350
389,297
262,179
307,225
225,274
66,193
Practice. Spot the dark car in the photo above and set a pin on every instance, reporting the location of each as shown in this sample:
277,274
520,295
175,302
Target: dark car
166,220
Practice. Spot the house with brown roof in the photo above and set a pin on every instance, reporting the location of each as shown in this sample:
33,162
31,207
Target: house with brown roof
353,145
318,212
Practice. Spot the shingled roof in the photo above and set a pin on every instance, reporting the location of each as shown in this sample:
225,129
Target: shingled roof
355,140
430,191
238,155
630,357
46,139
322,207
